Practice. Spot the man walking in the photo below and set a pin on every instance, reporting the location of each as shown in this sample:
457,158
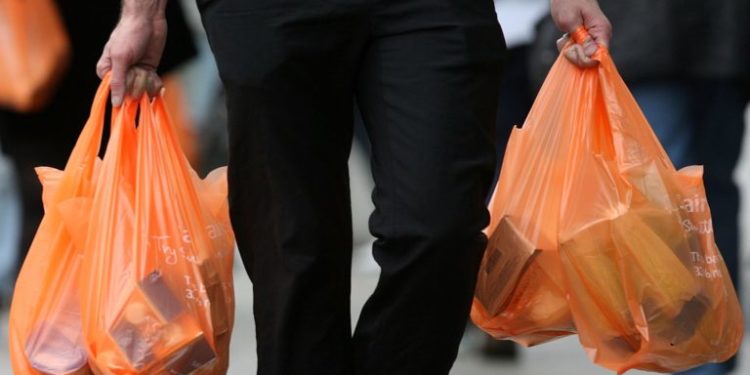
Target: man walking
425,74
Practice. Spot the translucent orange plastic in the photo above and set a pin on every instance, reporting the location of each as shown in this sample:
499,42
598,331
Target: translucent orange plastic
156,284
44,325
35,52
131,269
594,232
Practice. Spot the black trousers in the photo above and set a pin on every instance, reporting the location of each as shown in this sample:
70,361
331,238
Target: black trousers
425,74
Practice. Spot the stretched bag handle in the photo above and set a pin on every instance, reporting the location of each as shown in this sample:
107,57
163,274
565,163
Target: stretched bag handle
80,166
580,35
87,146
165,126
158,134
620,101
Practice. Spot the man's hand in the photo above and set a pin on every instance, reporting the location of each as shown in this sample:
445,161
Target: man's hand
134,49
569,15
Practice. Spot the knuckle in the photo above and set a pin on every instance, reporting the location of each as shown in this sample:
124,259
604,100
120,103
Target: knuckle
567,21
120,54
102,65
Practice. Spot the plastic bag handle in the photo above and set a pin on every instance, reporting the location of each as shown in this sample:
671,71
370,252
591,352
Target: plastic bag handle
580,35
167,128
87,146
160,129
80,165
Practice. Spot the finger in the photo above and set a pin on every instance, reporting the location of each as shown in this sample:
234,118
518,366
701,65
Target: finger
104,64
601,35
562,42
584,60
589,46
598,27
129,81
571,55
577,56
139,83
118,82
154,85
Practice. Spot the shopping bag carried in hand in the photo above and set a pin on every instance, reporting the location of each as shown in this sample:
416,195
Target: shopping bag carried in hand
44,326
35,52
156,284
594,232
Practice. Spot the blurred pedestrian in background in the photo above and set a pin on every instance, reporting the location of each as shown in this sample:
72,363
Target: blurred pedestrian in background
687,62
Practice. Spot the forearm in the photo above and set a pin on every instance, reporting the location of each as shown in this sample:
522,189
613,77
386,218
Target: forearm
570,14
143,8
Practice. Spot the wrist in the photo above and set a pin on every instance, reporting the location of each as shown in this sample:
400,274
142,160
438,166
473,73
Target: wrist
572,3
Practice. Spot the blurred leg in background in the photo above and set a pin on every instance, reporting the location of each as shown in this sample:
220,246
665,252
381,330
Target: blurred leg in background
10,219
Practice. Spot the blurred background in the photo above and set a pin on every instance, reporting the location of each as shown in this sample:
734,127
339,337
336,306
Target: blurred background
691,79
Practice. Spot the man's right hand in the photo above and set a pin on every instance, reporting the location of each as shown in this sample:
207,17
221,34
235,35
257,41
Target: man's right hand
134,50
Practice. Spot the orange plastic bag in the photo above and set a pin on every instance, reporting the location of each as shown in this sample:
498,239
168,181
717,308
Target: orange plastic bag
594,232
156,287
35,52
44,325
